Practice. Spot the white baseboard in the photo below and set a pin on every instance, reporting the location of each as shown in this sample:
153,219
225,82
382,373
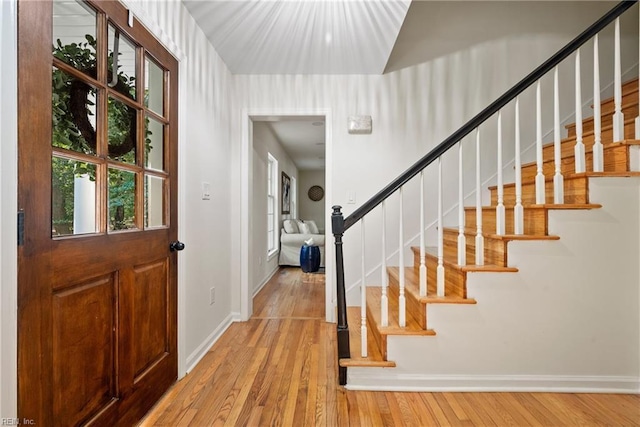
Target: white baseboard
384,380
269,277
198,354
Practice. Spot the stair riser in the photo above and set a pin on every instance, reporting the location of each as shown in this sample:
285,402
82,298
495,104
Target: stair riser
575,192
607,107
535,221
495,250
616,159
414,307
454,280
567,146
373,332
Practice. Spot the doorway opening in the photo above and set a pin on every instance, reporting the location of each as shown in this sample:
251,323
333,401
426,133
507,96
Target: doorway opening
288,149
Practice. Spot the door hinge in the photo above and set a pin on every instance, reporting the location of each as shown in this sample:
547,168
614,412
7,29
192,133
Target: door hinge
20,228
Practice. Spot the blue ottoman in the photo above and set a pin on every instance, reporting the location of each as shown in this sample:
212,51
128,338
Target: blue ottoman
310,258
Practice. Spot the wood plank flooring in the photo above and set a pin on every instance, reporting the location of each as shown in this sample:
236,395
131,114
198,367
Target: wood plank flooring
280,369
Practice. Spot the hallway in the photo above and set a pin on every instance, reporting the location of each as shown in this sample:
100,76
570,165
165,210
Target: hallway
280,369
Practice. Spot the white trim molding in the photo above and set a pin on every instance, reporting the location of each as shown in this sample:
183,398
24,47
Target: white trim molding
366,379
206,345
8,209
247,115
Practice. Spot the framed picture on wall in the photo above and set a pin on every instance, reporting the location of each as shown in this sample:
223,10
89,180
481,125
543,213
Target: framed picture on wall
286,194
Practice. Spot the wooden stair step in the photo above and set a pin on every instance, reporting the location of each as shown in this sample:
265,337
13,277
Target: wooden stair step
495,246
416,304
379,332
374,355
455,276
615,159
607,106
567,144
535,219
576,191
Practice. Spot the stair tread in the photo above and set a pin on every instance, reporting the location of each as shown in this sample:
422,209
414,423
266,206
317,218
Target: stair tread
374,355
433,252
580,175
548,206
472,232
412,286
412,327
588,149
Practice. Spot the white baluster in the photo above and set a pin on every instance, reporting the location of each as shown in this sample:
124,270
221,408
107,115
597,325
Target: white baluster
518,210
500,211
423,264
598,165
440,269
618,116
540,184
579,148
384,300
363,298
462,241
558,180
402,319
479,237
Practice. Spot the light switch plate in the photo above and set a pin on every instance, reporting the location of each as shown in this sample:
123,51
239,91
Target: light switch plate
351,197
206,191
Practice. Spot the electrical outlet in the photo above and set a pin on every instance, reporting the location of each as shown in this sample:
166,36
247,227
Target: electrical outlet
212,296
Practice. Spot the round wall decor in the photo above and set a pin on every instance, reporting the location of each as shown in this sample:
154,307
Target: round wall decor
316,193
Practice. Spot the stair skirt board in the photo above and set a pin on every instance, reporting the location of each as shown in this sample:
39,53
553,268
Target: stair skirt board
571,309
384,379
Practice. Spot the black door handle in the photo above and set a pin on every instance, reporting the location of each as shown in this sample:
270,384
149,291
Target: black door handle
176,246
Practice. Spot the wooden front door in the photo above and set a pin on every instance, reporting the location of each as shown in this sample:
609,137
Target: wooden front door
97,280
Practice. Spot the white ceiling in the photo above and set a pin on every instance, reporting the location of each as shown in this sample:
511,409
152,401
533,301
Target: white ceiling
301,36
303,138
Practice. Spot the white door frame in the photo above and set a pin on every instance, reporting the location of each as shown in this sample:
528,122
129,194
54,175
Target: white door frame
246,204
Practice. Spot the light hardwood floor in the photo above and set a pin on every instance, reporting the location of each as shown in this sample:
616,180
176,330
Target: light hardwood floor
280,369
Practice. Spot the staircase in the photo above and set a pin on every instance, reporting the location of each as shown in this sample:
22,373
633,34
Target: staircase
618,162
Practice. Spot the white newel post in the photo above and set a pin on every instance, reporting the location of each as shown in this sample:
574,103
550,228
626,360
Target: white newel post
540,184
558,180
440,269
423,264
579,147
363,296
384,300
598,161
518,210
618,116
462,241
500,211
402,318
479,237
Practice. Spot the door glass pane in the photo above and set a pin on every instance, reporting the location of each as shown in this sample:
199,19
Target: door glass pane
74,113
74,35
122,57
122,121
154,201
73,197
153,87
122,199
154,144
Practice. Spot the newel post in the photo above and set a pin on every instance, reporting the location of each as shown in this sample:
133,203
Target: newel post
344,352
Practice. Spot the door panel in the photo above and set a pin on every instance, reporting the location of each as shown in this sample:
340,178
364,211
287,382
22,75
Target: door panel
97,283
84,371
150,315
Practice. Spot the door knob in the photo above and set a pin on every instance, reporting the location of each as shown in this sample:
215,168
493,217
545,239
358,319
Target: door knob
176,246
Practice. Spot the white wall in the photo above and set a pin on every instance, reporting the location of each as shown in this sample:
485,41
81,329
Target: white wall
206,103
265,141
308,208
8,208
